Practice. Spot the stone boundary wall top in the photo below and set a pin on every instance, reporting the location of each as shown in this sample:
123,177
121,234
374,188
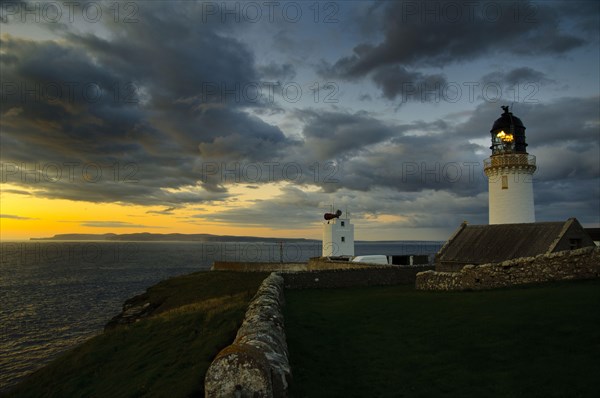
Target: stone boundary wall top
256,364
323,263
369,276
314,264
252,266
569,264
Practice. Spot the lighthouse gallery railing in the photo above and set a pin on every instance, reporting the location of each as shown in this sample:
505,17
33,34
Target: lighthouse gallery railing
509,160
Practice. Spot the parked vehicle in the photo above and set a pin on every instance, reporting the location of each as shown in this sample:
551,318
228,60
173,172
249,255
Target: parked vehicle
372,259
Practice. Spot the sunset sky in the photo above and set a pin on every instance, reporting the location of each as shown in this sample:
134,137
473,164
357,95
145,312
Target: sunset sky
255,118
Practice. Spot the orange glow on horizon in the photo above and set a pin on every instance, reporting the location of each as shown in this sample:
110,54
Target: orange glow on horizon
29,216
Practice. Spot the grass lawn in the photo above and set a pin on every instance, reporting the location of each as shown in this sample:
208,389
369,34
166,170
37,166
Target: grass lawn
164,355
538,341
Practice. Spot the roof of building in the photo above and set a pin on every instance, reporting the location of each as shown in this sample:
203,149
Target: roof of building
482,244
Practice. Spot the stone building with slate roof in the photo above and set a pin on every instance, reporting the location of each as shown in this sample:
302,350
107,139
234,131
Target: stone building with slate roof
483,244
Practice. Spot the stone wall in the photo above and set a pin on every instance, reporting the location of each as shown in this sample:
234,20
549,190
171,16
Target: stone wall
447,266
571,264
322,263
314,264
250,266
371,276
256,364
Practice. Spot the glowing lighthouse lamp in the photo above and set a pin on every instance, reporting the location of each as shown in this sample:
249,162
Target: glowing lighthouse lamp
510,173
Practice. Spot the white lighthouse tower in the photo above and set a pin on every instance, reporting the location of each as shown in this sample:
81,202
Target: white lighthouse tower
338,235
510,173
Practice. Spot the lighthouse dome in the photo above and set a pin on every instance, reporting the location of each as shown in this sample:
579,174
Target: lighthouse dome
505,121
508,134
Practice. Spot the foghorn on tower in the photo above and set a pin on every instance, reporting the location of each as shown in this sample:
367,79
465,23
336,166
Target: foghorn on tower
510,173
338,235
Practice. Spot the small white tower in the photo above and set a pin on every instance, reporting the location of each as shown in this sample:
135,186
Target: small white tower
338,235
510,173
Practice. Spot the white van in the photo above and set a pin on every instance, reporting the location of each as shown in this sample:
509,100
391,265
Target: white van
372,259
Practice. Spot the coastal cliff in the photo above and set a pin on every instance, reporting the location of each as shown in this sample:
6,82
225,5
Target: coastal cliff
161,344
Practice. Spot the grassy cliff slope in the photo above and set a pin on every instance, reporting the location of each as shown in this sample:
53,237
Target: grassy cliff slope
164,354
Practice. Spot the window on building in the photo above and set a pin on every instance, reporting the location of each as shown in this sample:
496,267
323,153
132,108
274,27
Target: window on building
574,244
504,182
343,238
343,223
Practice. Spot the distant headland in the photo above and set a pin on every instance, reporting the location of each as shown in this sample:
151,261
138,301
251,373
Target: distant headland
174,237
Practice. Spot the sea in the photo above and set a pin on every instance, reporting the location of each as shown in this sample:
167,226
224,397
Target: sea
55,295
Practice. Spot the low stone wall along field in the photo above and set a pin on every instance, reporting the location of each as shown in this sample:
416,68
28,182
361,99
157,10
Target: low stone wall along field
250,266
571,264
341,278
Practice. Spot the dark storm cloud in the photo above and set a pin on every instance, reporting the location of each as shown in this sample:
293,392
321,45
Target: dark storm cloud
396,81
415,164
168,210
420,158
331,135
440,33
518,76
328,138
556,200
171,53
17,192
277,72
437,156
437,33
241,137
292,207
414,210
240,150
162,99
156,98
567,122
409,157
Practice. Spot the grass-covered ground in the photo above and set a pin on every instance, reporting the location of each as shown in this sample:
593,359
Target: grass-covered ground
164,355
540,341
